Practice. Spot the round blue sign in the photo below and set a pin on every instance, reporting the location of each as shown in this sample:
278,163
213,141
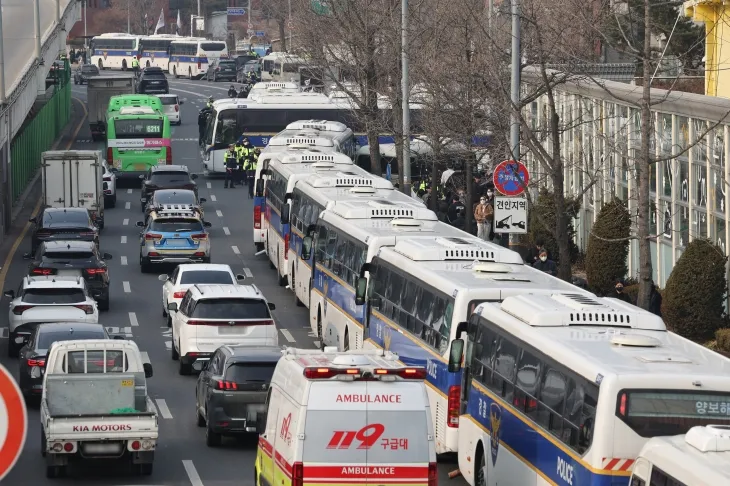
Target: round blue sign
511,178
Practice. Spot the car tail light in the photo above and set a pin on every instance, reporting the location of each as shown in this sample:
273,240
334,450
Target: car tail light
107,191
199,254
43,234
87,233
199,236
109,155
179,295
286,246
257,217
34,362
19,309
86,308
297,476
453,406
221,322
622,404
108,178
136,445
96,271
68,447
433,477
177,108
152,236
153,253
168,156
44,271
407,373
225,385
319,373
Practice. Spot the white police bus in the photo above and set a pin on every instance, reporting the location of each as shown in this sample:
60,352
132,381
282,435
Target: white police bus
191,56
114,50
566,389
154,50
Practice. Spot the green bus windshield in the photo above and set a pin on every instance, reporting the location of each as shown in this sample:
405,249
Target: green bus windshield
138,128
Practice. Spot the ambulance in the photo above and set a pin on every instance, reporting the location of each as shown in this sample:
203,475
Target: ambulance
353,417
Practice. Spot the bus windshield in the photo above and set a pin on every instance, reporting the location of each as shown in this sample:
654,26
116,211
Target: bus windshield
212,46
138,128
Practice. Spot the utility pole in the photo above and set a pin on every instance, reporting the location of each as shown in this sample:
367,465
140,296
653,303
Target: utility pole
514,135
405,99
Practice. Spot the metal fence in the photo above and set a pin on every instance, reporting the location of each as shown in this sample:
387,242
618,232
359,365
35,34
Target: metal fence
40,133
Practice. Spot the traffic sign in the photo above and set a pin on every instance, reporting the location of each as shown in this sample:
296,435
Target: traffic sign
511,178
260,33
236,11
510,215
13,422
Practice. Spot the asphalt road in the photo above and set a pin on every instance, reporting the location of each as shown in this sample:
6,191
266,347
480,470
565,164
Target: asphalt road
182,457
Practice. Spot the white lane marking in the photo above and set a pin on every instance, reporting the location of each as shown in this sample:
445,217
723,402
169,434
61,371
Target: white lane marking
124,238
207,184
247,273
125,222
219,213
120,331
124,260
192,473
133,319
317,344
127,288
226,231
164,410
288,335
235,250
168,345
213,198
129,191
145,357
127,205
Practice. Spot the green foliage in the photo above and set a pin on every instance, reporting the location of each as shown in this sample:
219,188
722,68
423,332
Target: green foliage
722,337
693,298
543,221
606,260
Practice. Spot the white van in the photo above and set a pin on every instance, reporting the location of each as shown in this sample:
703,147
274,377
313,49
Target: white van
699,458
352,417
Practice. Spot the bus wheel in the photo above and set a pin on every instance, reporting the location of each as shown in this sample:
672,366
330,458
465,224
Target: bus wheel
124,64
346,344
190,74
148,64
174,71
298,302
479,477
101,65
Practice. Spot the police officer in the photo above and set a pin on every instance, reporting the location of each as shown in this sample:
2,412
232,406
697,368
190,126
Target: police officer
247,156
241,154
232,92
251,172
209,104
135,65
202,123
231,164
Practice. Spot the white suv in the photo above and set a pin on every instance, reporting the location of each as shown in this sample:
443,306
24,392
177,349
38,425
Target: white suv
210,316
47,299
171,107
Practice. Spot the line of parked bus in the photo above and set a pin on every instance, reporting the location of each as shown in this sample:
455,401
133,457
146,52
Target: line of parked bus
181,56
531,380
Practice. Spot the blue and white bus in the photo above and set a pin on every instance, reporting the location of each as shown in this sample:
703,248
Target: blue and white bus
566,389
415,292
191,56
114,50
154,50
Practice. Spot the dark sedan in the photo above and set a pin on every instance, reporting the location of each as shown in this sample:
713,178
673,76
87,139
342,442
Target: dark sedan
63,224
232,389
224,70
152,80
80,258
33,354
84,72
166,177
185,197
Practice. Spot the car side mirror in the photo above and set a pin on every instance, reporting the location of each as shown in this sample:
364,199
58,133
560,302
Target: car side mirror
361,288
202,200
200,365
272,306
27,256
207,224
193,176
140,224
306,247
9,293
147,370
240,277
32,220
107,256
455,353
163,277
172,306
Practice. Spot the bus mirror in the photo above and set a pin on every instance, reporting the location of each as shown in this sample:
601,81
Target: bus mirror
306,247
365,268
311,229
285,211
361,288
461,327
455,353
259,187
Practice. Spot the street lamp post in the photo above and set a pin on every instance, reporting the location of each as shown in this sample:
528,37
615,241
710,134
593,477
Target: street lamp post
405,95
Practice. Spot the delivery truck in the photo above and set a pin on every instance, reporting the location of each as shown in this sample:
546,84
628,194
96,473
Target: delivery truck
99,89
74,179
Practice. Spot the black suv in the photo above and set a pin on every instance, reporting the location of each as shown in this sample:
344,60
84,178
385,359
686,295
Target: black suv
232,389
63,224
224,70
152,80
166,177
84,72
74,257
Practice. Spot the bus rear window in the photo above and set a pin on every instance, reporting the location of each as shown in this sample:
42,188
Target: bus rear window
138,128
212,46
671,412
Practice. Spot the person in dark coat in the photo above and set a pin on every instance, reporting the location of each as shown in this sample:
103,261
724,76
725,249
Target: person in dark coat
202,123
533,254
454,209
655,301
544,264
620,295
460,221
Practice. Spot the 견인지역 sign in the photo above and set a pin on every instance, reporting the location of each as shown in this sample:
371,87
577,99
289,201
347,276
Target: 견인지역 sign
510,215
511,178
13,422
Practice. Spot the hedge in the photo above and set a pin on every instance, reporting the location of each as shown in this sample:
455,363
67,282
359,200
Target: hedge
608,248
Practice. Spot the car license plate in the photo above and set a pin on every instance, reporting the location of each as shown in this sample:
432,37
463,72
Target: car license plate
140,166
177,242
102,448
67,273
228,330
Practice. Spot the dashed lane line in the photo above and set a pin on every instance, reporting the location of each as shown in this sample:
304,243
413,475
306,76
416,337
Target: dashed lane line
133,319
226,231
235,250
219,213
247,273
125,222
213,198
127,288
163,408
125,332
127,205
208,185
288,335
123,260
129,191
192,473
124,238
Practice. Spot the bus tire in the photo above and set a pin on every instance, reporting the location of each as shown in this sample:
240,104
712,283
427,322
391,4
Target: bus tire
479,465
346,342
124,64
101,65
281,280
298,302
190,74
147,64
174,71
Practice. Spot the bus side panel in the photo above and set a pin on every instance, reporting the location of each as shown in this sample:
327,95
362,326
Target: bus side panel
274,238
339,312
300,270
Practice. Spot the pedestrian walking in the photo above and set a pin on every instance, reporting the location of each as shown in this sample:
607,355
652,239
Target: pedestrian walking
484,216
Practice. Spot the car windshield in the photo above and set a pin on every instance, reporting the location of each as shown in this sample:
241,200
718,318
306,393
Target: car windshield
231,309
228,65
45,339
71,218
213,46
138,128
68,255
176,225
206,277
174,197
243,372
53,296
169,177
168,100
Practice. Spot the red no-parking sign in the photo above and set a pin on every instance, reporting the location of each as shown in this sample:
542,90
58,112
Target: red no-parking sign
511,178
13,422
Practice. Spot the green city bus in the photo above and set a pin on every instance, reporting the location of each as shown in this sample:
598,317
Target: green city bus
138,135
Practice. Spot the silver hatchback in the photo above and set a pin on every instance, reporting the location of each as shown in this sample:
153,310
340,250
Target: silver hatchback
171,107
